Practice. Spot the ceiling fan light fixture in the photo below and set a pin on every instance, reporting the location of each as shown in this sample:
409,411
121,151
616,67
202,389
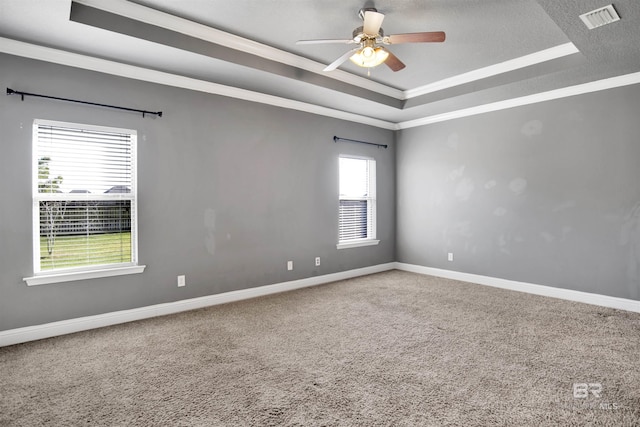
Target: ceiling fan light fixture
369,57
369,36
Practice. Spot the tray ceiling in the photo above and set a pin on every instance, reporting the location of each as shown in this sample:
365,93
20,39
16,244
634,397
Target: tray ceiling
495,49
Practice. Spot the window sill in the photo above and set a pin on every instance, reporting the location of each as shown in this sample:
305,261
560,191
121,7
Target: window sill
44,279
357,243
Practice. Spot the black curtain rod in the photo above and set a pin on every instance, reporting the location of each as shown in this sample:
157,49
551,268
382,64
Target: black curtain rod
23,94
337,138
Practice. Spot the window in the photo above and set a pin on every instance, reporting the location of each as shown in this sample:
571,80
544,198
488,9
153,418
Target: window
84,202
357,213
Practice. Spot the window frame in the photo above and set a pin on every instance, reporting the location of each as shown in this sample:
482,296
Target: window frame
58,275
371,199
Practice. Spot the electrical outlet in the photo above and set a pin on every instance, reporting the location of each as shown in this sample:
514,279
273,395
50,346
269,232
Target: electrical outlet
450,256
317,261
289,265
181,281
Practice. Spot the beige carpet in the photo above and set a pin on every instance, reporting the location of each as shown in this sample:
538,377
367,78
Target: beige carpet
391,349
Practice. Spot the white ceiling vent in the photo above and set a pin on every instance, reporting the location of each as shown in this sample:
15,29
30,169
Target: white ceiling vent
599,17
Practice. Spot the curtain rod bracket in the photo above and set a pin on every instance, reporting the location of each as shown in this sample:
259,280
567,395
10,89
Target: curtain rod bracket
337,138
12,92
23,94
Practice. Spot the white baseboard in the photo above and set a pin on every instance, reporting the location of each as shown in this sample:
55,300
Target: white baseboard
548,291
48,330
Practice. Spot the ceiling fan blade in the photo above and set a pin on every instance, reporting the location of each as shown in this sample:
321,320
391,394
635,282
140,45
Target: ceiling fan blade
372,23
433,36
321,41
335,64
393,62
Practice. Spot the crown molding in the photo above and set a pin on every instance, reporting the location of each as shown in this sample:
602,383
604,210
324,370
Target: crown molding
42,53
203,32
28,50
495,69
595,86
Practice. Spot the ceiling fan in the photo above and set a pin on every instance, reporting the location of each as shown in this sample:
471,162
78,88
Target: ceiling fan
369,39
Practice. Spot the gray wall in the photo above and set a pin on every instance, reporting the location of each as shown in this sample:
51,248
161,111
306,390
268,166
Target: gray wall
547,193
228,191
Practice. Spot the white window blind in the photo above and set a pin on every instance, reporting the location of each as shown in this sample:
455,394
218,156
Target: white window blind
84,197
357,213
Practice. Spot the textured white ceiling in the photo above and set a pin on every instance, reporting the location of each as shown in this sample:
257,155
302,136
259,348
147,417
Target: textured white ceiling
479,33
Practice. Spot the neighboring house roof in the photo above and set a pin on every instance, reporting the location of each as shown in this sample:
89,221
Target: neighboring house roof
119,189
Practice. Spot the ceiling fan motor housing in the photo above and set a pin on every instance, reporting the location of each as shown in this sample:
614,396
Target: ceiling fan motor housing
359,35
362,11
